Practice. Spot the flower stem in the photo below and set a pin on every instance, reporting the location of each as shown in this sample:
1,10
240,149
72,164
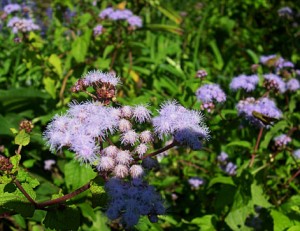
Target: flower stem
256,146
173,144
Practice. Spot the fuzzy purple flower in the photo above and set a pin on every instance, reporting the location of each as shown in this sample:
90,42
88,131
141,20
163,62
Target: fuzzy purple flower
135,21
263,105
296,154
79,129
195,182
201,74
22,25
141,114
99,76
120,14
8,9
285,11
185,125
282,140
293,84
244,82
48,164
210,93
98,30
130,200
106,12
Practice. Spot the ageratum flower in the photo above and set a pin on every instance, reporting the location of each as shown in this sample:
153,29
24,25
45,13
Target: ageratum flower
80,127
185,125
195,182
293,84
245,82
135,21
98,30
99,76
130,200
210,93
22,25
282,140
8,9
264,106
296,154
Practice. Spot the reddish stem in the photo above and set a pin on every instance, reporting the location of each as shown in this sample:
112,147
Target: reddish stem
256,146
294,176
20,187
173,144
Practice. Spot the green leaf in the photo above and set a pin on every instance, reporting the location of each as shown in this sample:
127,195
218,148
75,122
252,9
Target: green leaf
240,143
50,86
29,163
281,221
21,94
80,46
221,180
206,223
77,175
87,211
258,196
22,138
55,61
15,160
63,219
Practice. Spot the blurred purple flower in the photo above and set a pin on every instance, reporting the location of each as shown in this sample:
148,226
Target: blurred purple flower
244,82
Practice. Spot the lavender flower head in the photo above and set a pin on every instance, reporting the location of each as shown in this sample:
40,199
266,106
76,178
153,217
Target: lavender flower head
285,11
106,12
23,25
222,158
115,14
185,125
263,105
8,9
130,200
98,76
274,82
293,84
135,21
195,182
266,59
210,92
244,82
282,140
296,154
228,167
79,128
98,30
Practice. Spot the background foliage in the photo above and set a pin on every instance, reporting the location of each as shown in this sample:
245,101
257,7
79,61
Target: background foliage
155,62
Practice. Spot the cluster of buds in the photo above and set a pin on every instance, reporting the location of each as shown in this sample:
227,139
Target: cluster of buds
5,165
26,125
201,74
271,85
104,85
209,107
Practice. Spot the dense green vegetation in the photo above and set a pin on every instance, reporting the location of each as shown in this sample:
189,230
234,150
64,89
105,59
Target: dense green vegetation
255,187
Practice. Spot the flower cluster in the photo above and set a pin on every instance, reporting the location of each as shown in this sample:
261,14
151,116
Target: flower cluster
226,166
293,84
282,140
186,126
10,8
22,25
133,21
130,200
98,30
264,106
245,82
90,130
209,93
195,182
276,61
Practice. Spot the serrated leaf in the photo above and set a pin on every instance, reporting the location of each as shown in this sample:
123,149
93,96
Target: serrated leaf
77,175
22,138
15,160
